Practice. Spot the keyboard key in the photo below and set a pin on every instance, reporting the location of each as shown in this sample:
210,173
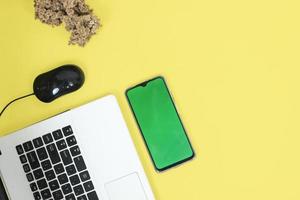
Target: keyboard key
50,175
59,168
46,194
42,184
71,170
37,196
28,146
74,180
53,154
66,157
71,141
57,195
33,187
63,178
46,165
93,196
67,130
79,162
66,188
38,142
83,197
19,149
33,160
57,134
70,197
47,138
84,176
88,186
29,177
53,185
42,153
23,159
38,174
61,144
78,190
75,151
26,168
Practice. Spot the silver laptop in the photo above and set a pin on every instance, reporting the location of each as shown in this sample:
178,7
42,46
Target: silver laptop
83,154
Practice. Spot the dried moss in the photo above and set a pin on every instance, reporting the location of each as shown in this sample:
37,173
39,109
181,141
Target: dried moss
75,14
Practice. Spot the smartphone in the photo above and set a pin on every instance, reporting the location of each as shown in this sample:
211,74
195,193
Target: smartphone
159,123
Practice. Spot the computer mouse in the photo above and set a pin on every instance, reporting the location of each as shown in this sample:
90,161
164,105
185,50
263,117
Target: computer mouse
55,83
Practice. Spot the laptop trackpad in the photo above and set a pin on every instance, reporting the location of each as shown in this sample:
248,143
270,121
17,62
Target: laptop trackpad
128,187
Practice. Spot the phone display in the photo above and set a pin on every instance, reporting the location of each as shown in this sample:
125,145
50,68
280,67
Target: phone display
159,123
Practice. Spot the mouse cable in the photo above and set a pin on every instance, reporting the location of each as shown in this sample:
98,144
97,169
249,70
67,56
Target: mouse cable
28,95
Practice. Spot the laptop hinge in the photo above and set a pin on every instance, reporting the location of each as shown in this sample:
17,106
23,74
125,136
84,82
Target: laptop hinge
51,116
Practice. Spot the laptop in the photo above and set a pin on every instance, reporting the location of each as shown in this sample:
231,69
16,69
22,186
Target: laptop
83,154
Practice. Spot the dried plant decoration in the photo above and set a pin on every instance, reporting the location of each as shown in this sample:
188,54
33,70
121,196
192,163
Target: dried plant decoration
75,14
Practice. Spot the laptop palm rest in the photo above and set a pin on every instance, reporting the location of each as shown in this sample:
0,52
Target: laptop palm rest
128,187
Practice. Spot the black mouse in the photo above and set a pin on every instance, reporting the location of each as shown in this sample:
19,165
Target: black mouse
58,82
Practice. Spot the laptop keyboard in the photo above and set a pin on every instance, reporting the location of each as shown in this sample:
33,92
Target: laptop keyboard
55,168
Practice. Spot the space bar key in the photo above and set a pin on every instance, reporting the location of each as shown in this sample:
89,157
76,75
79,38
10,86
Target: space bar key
53,153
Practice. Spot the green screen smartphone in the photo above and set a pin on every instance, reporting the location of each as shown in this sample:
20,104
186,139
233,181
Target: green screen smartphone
159,123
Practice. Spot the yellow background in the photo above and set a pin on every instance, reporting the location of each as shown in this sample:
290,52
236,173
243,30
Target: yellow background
233,67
